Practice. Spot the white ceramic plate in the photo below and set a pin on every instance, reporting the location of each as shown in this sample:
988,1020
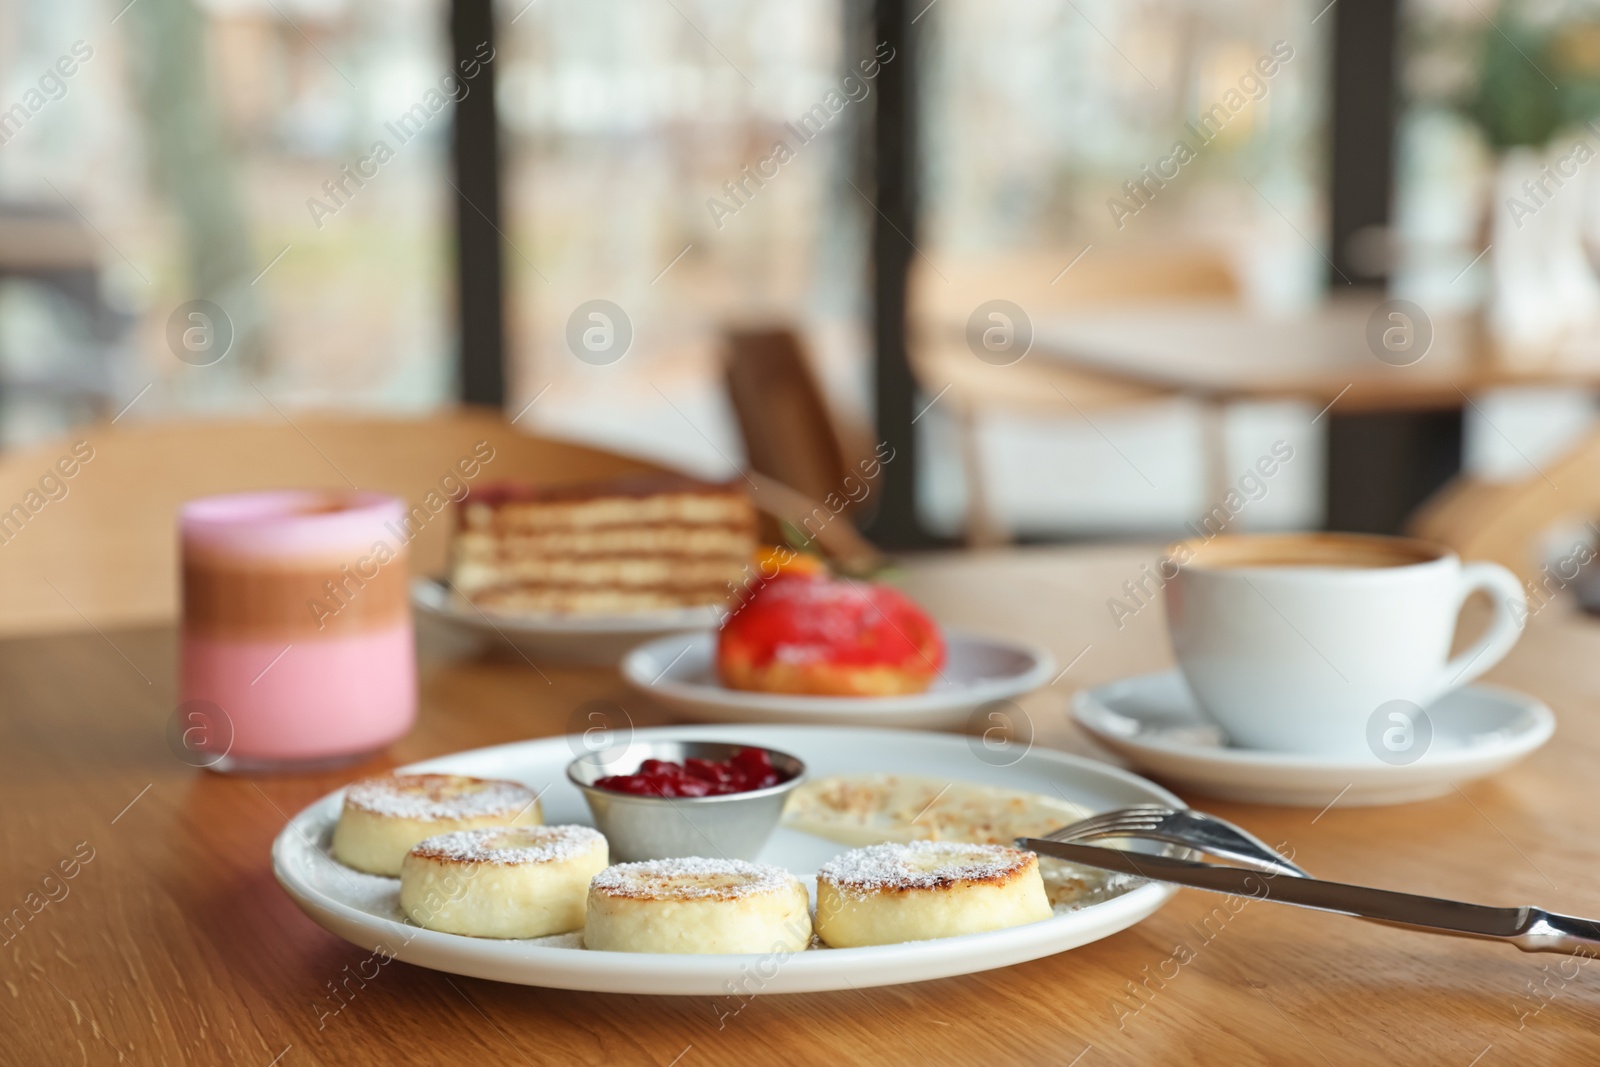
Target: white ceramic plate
1154,722
680,671
364,909
588,639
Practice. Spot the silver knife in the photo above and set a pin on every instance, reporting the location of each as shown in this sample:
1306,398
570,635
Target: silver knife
1530,929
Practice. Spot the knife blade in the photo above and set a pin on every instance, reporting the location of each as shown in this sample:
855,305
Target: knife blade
1383,905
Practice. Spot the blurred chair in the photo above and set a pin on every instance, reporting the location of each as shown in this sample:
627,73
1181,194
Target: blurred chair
942,299
798,454
104,551
789,432
1510,522
834,534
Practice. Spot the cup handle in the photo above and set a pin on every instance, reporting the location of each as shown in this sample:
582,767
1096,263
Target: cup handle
1510,609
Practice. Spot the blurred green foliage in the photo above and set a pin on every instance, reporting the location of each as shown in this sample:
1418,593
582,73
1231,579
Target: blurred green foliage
1536,75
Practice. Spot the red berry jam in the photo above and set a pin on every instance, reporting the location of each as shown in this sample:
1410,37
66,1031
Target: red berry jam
747,769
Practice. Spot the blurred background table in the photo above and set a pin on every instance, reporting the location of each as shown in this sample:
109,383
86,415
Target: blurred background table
174,944
1224,351
1394,429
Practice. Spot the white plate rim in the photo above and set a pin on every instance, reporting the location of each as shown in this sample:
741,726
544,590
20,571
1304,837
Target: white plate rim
1088,704
621,972
1041,665
431,596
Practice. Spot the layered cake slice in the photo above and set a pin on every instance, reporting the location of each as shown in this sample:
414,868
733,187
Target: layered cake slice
644,543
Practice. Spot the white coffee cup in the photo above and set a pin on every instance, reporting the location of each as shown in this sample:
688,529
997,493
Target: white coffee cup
1305,642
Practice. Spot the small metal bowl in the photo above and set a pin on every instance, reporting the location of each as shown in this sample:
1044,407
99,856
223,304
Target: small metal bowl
732,826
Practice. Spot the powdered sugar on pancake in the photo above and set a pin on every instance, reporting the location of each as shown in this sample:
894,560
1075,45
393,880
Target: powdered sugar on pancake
692,878
438,796
511,845
923,865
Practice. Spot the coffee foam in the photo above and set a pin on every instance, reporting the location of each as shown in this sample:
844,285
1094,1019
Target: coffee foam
1356,551
290,525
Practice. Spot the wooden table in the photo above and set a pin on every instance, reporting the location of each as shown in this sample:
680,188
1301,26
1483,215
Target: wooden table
173,944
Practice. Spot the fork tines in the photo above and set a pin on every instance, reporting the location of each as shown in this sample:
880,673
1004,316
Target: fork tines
1111,823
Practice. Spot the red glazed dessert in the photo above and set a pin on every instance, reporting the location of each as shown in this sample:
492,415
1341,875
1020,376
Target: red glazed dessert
827,637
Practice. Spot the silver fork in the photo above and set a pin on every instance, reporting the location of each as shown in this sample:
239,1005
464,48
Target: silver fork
1180,826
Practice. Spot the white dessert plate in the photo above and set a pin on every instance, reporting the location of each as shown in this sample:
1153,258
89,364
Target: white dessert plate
680,671
364,909
1155,723
586,639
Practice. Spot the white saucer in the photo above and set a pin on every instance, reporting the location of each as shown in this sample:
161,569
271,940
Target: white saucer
680,672
587,639
1154,721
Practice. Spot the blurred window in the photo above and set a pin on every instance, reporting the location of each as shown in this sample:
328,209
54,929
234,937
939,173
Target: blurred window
690,163
1129,124
200,153
1084,154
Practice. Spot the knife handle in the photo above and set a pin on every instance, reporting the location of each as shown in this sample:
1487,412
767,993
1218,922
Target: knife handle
1546,931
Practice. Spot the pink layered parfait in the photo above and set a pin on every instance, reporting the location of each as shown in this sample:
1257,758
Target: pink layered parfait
297,624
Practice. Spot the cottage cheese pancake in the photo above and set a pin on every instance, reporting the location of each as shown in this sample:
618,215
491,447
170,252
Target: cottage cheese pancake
889,893
384,816
507,882
698,906
866,809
